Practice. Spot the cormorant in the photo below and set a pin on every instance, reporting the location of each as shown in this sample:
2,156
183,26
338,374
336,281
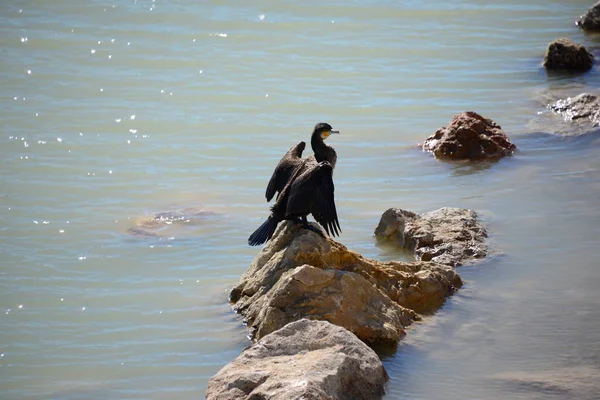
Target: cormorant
293,158
305,187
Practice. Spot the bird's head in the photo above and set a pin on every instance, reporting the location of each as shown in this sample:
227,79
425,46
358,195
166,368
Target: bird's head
323,130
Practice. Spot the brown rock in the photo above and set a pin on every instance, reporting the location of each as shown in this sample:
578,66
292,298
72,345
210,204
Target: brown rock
301,274
565,55
469,136
303,360
450,236
590,21
584,108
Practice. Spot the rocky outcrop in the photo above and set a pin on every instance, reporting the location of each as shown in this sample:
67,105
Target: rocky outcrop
565,55
300,274
583,109
469,136
450,236
590,21
303,360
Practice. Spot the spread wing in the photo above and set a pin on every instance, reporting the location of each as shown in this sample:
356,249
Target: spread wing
284,170
313,193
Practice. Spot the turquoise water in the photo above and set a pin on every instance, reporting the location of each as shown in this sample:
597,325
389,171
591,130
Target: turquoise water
112,112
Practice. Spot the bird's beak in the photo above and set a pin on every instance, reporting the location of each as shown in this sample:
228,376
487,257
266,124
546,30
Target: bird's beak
338,132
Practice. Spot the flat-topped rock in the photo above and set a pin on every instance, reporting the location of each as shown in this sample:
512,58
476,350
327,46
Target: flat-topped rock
303,360
581,109
158,224
450,236
300,274
469,136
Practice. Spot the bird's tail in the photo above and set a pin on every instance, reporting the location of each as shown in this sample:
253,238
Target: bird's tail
264,232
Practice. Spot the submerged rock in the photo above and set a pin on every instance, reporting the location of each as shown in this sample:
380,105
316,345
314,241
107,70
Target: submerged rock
450,236
565,55
590,21
300,274
469,136
158,222
584,108
303,360
572,382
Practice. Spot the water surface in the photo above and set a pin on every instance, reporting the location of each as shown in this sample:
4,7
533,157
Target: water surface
112,112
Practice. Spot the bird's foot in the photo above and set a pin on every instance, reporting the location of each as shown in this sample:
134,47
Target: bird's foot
315,230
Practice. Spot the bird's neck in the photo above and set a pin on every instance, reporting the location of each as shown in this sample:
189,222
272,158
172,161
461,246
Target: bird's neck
322,151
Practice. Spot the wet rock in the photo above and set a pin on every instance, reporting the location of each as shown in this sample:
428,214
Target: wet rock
301,274
576,382
303,360
590,21
158,222
565,55
584,108
469,136
450,236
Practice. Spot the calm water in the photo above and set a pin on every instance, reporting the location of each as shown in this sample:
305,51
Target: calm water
111,112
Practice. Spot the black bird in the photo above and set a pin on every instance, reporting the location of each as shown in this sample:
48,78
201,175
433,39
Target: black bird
305,187
293,158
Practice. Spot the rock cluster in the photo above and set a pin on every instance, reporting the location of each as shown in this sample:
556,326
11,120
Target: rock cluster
449,236
565,55
590,21
300,274
469,136
584,108
312,306
304,360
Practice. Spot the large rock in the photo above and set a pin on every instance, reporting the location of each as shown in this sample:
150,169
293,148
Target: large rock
300,274
469,136
450,236
590,21
303,360
584,108
565,55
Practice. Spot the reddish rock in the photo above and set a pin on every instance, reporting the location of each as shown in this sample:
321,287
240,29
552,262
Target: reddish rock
469,136
565,55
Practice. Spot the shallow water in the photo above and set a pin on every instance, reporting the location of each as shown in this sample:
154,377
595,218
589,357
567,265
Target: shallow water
114,112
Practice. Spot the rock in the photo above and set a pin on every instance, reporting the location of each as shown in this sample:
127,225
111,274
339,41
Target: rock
450,236
573,382
584,108
159,222
590,21
565,55
469,136
303,360
300,274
